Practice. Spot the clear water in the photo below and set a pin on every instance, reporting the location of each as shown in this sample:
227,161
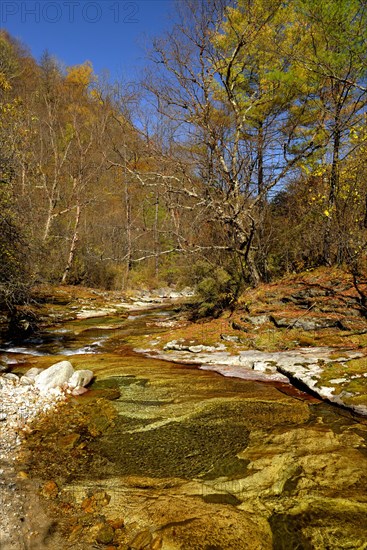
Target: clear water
175,445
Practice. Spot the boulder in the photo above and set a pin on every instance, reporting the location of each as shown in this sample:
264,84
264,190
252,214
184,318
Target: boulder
256,320
80,378
25,381
29,377
32,373
309,323
55,376
11,376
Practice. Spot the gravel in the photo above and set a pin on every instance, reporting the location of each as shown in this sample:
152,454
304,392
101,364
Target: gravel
23,523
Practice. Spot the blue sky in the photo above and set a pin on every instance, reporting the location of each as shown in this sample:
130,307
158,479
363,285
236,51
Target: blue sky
112,34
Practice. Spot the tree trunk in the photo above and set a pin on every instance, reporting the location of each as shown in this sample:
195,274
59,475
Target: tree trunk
156,236
249,257
262,203
128,228
365,213
254,272
48,221
334,182
73,246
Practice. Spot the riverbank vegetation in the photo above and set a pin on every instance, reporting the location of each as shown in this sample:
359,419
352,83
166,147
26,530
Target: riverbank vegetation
239,159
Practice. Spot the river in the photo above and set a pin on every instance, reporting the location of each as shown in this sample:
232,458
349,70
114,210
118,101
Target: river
160,455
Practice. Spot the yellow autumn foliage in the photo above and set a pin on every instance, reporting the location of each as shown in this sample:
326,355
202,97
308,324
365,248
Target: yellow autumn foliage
81,75
4,83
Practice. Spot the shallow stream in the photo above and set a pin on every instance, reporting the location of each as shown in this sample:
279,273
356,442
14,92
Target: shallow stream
160,455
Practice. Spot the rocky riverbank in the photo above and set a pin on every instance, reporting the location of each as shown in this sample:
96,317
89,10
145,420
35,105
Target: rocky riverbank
306,367
22,400
22,522
51,305
60,304
309,329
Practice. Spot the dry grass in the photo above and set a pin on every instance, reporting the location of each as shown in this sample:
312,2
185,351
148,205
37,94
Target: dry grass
324,289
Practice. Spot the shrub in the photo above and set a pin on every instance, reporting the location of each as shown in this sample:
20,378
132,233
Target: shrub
216,289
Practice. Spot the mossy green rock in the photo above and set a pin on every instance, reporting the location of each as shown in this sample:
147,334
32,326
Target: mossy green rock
105,534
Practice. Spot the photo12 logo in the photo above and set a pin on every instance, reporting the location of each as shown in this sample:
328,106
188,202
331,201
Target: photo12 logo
70,11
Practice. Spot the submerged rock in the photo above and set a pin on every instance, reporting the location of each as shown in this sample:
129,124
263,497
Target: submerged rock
105,534
50,489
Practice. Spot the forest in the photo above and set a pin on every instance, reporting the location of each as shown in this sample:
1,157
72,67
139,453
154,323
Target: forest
239,157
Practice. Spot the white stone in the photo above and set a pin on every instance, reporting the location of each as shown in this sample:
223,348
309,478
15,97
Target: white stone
11,376
32,373
327,393
264,366
80,378
55,376
26,381
91,313
79,390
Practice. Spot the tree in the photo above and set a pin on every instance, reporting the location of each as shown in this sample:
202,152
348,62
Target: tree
15,276
335,62
87,123
232,108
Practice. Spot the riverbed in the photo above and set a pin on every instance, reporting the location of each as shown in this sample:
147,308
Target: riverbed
161,455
